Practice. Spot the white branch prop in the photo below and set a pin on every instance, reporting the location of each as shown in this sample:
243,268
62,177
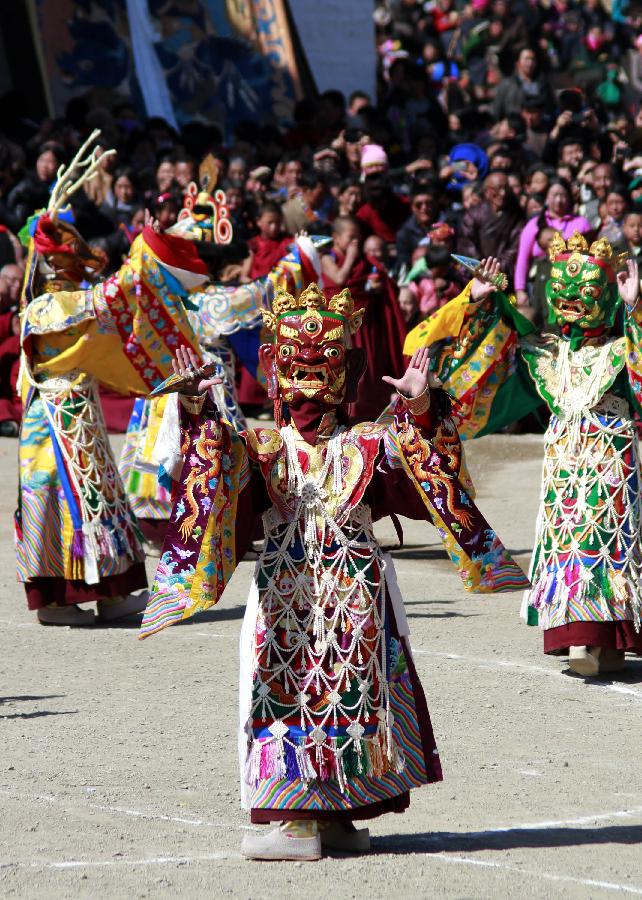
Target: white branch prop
70,178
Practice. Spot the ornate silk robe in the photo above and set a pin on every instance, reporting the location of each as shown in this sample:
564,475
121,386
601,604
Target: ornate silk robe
333,720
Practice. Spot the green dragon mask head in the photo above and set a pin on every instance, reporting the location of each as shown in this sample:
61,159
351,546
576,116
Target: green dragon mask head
582,289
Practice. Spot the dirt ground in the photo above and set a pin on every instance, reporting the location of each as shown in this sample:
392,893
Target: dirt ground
118,773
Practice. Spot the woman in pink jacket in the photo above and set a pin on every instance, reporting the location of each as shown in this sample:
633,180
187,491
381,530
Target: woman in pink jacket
557,214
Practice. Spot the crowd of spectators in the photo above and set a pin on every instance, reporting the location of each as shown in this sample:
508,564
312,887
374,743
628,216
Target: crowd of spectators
494,125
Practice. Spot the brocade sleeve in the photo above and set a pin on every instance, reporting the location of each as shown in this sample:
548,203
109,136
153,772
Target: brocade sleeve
211,525
426,450
633,345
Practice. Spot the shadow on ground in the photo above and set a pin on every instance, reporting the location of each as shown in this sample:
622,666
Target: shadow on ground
23,698
511,839
39,714
218,614
127,622
441,615
631,674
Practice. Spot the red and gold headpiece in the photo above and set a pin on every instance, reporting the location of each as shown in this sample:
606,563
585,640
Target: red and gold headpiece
311,352
312,299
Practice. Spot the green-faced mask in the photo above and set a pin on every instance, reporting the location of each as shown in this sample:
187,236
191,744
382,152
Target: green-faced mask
582,291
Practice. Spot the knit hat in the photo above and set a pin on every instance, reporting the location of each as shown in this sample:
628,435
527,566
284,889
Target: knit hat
374,160
470,153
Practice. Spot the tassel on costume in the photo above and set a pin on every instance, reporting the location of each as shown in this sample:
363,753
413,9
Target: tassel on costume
78,544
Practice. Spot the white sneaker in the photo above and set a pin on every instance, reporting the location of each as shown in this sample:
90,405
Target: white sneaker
591,661
119,607
335,835
280,844
72,616
584,660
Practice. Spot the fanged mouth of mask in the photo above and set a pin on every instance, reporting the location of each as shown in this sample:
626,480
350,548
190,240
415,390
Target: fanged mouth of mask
309,376
574,308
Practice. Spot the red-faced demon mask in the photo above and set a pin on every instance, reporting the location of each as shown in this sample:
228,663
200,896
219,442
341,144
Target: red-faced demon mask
311,358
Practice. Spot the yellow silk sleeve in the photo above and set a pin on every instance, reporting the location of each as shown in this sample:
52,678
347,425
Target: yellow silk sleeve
122,331
90,351
445,322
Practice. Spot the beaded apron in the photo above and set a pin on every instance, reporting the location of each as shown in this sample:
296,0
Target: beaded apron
588,557
65,453
324,665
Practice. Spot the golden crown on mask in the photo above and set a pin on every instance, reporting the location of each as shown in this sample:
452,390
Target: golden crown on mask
312,299
600,249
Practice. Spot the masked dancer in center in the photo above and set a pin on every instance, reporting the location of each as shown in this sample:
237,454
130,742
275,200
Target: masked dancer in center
334,726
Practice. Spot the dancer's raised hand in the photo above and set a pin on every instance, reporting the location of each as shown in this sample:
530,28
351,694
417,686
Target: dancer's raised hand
197,378
482,286
628,283
416,378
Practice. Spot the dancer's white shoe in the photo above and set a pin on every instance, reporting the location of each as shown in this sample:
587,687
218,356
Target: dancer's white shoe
71,616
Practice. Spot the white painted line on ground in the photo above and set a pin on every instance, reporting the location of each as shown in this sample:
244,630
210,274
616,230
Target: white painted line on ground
429,857
124,811
137,814
95,863
485,663
531,873
443,856
634,812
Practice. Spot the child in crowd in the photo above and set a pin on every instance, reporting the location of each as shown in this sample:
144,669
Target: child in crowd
615,208
377,248
345,265
409,306
632,235
439,281
269,245
165,210
382,334
433,278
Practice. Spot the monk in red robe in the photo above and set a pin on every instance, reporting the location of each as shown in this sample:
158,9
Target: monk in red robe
270,245
10,405
266,249
383,331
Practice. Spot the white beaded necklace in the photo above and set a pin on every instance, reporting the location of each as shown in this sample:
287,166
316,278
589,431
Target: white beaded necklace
311,492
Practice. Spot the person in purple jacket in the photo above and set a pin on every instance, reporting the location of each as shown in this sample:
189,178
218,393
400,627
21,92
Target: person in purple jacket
556,214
